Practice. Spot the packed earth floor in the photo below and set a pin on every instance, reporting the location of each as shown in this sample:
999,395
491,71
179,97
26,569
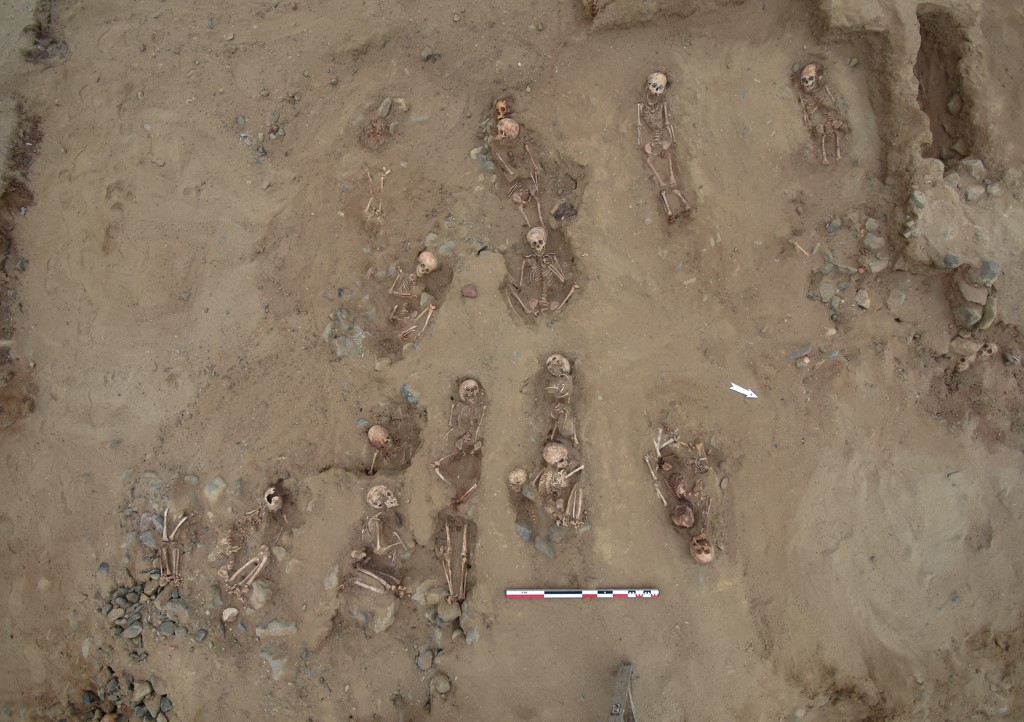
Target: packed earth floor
252,252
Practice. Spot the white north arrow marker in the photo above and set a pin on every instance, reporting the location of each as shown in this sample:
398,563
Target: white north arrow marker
740,390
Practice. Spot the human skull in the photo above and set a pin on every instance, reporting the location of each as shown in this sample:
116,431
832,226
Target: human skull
517,479
273,500
701,549
537,238
682,516
507,129
556,455
989,350
470,391
378,436
380,497
656,83
426,263
558,365
503,108
809,77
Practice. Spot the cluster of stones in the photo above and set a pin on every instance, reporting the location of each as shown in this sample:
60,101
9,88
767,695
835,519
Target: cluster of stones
446,615
116,698
141,602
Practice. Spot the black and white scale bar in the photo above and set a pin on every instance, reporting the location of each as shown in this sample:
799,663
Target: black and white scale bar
582,593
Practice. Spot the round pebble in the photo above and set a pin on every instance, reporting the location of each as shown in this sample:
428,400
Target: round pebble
132,631
469,291
200,636
424,660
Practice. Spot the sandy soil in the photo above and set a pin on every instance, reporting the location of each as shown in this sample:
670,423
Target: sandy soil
188,318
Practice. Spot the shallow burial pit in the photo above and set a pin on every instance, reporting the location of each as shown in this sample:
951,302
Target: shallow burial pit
940,85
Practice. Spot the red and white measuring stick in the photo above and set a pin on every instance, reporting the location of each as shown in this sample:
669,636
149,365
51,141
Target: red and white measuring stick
582,593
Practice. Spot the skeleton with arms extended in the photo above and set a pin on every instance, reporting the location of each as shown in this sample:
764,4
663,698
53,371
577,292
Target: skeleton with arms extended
539,277
820,110
653,121
408,288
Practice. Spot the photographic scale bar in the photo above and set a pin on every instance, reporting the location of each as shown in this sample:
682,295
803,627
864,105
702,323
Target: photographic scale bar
582,593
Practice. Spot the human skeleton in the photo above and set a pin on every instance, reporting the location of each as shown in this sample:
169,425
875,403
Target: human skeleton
654,121
559,388
467,414
820,110
561,498
408,287
539,276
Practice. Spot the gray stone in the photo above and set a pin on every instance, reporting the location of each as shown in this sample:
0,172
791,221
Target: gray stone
276,665
826,269
953,180
826,290
200,636
176,610
472,636
384,109
871,225
544,547
918,200
149,540
103,568
862,299
448,611
955,104
974,294
975,168
152,703
115,614
967,315
166,628
834,225
895,299
951,261
988,315
987,272
441,684
260,594
409,395
877,265
424,660
215,489
386,618
524,529
961,346
873,243
165,704
993,190
141,690
973,193
181,631
362,618
802,351
275,628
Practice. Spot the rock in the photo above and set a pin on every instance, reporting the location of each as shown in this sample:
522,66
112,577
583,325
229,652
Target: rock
988,315
469,291
428,54
895,299
103,568
409,395
834,225
115,614
165,704
524,529
961,346
448,611
918,200
802,351
951,261
472,636
975,168
441,684
141,690
166,628
987,273
260,594
993,190
967,315
331,581
953,180
215,489
803,363
877,265
200,636
276,665
385,619
544,547
152,703
873,243
955,104
424,660
862,299
275,628
871,225
384,109
974,294
229,615
132,631
973,193
826,268
826,290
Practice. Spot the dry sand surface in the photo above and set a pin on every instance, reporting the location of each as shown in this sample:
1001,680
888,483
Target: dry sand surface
194,307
